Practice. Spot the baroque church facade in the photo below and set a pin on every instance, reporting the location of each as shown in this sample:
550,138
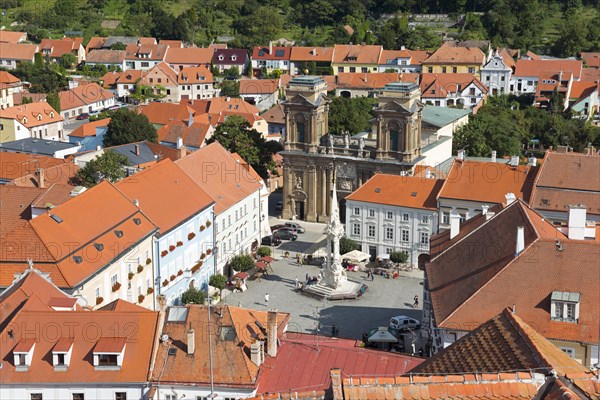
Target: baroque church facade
312,157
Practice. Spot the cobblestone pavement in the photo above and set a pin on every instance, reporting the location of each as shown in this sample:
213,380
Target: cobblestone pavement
384,299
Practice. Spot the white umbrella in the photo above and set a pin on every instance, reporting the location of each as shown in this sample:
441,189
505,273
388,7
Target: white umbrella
382,336
356,256
384,256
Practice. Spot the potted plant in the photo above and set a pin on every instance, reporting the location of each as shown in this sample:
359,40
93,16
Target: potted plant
99,300
149,261
141,298
208,251
171,247
179,273
208,223
191,235
172,278
179,243
116,286
165,282
202,227
130,275
164,253
150,290
140,268
202,256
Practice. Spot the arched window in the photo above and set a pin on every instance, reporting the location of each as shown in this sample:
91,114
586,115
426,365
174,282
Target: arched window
394,130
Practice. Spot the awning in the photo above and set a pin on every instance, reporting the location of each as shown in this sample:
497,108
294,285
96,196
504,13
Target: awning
356,256
382,335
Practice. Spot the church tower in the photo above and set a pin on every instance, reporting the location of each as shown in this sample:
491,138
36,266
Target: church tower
397,124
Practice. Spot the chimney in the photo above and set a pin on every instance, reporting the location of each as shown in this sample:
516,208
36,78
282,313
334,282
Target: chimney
510,198
98,148
454,225
256,353
532,161
41,177
191,341
461,155
179,142
182,152
520,240
136,202
402,48
514,161
272,333
137,149
489,215
576,222
162,310
493,155
484,209
270,47
427,174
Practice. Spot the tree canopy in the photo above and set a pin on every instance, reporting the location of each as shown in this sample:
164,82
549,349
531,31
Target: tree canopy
237,136
193,296
241,263
108,166
127,127
351,115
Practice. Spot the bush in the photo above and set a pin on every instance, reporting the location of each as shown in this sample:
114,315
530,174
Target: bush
193,296
149,291
347,245
263,251
218,281
140,268
398,257
242,263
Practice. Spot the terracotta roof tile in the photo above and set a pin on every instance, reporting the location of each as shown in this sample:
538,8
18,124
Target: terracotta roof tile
7,78
592,60
33,114
278,53
89,129
441,85
162,113
193,136
59,174
319,54
356,54
357,80
398,191
169,180
539,67
590,74
153,51
194,75
171,43
110,344
23,52
189,55
16,165
59,47
275,115
105,57
83,95
258,86
456,55
161,74
12,37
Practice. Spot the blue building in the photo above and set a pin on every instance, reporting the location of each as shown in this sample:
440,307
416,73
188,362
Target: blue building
90,135
183,212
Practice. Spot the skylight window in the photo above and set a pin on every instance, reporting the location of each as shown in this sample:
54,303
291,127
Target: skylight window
227,333
56,218
279,53
137,221
414,194
377,190
78,259
172,351
119,234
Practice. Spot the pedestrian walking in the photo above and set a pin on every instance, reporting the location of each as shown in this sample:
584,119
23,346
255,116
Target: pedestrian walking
307,277
416,304
372,276
267,298
298,258
296,281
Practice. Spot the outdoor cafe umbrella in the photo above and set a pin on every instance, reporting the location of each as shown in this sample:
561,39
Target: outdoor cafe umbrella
382,335
356,256
267,259
241,275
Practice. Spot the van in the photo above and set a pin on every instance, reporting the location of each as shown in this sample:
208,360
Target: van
404,323
295,226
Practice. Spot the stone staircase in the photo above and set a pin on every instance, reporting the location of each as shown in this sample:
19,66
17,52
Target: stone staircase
352,290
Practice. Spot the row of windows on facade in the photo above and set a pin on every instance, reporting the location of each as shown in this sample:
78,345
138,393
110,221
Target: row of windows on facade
243,235
390,215
446,217
79,396
389,233
239,213
454,70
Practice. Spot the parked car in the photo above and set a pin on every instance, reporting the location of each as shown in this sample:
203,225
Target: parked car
404,323
82,116
285,234
279,205
94,112
275,227
270,241
113,108
296,226
287,228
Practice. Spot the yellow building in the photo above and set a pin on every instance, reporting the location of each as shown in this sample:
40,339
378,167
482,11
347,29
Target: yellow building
356,58
36,120
453,60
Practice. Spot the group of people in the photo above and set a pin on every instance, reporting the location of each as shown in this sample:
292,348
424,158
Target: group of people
310,280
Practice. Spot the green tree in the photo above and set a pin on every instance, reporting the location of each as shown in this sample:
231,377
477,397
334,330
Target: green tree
264,251
237,136
54,100
572,38
127,127
318,13
230,89
241,263
398,257
108,166
347,245
68,60
193,296
218,281
351,115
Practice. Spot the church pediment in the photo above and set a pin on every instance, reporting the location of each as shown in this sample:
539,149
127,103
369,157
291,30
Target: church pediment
396,107
300,100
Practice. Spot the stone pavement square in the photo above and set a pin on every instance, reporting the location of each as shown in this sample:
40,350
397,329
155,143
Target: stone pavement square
384,299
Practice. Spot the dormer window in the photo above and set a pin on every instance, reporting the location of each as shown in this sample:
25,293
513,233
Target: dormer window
109,353
233,58
61,353
23,354
221,57
51,114
564,307
39,117
24,120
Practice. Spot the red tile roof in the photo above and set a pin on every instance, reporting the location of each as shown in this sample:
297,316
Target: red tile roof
156,185
23,52
276,53
189,55
59,174
356,54
592,60
215,170
194,75
12,37
258,86
162,72
539,67
16,165
303,365
33,114
171,43
110,345
163,113
153,51
456,55
275,115
59,47
357,80
400,191
105,57
89,129
590,74
581,90
391,55
487,181
441,85
7,78
83,95
231,362
319,54
470,282
569,178
192,136
231,105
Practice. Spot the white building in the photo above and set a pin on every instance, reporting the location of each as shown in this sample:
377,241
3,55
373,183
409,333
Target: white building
237,200
34,120
196,83
496,74
449,90
84,99
391,213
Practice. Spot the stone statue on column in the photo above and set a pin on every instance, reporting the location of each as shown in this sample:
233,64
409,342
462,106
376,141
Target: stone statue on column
361,146
334,274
